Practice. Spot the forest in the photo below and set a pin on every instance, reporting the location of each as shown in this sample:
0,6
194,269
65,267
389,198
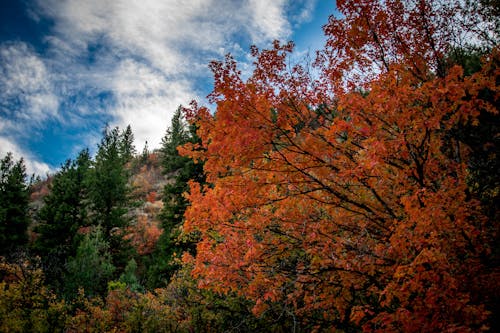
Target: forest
353,191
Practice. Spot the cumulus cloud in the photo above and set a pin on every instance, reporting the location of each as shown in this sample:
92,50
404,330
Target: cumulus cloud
27,99
133,62
26,89
33,165
148,53
268,20
145,99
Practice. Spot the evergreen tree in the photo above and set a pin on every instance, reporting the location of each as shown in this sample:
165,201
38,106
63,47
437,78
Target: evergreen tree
108,182
109,191
176,135
62,215
91,268
182,169
127,148
129,277
14,200
145,153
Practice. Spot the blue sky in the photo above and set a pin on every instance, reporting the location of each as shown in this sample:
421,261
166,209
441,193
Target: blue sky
69,67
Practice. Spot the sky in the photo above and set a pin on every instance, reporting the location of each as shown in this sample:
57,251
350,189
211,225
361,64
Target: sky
69,67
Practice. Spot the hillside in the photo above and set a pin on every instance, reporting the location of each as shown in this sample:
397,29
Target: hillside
146,183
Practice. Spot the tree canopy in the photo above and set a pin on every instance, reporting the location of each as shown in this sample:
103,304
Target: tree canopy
342,197
14,200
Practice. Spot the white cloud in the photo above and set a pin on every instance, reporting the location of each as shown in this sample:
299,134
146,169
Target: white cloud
268,19
170,35
27,99
146,100
25,85
153,51
305,13
146,57
33,165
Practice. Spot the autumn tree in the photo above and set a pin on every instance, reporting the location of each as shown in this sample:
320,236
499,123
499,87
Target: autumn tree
144,235
26,303
14,200
342,199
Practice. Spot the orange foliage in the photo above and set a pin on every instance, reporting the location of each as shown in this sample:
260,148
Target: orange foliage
351,208
40,190
123,311
144,235
151,197
147,178
153,157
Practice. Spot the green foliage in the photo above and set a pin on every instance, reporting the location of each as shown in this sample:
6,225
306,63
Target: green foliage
127,148
14,200
91,268
469,58
182,169
108,182
129,277
175,136
145,154
116,285
63,213
202,310
109,190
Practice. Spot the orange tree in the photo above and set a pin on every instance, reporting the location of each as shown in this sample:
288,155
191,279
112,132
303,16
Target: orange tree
341,199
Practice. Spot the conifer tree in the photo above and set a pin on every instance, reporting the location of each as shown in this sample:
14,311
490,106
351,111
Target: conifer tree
91,268
129,276
176,135
182,169
14,200
109,190
127,148
63,213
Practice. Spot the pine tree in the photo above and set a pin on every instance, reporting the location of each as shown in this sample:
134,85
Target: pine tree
127,148
14,200
178,166
91,268
129,277
108,182
175,136
63,213
182,169
109,191
145,153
